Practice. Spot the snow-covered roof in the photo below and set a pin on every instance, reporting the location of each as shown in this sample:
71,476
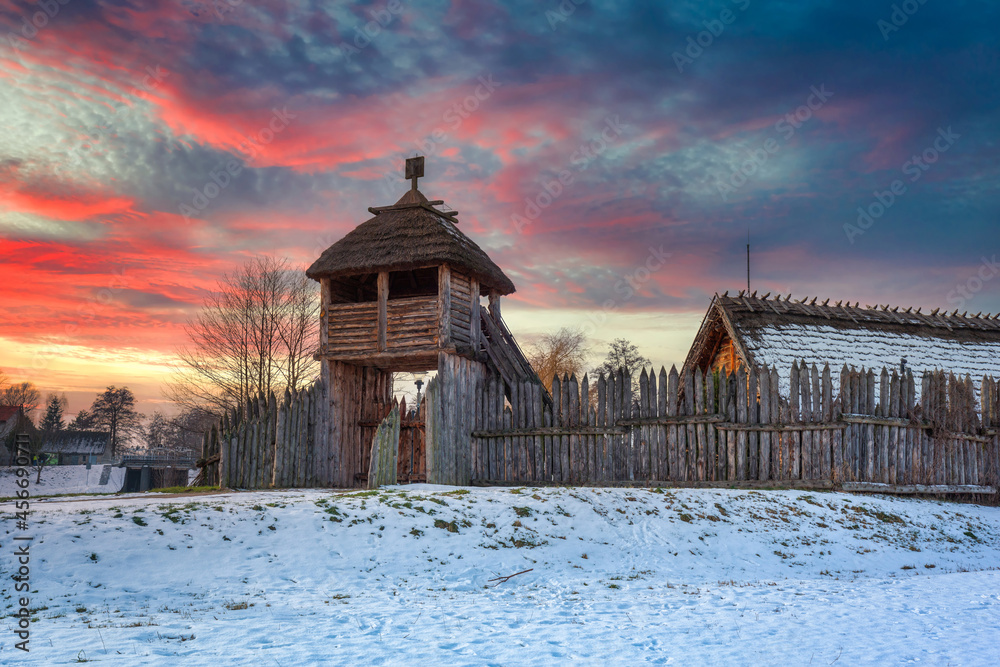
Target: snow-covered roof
778,332
78,442
8,418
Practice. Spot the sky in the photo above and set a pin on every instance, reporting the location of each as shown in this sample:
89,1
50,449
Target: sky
611,157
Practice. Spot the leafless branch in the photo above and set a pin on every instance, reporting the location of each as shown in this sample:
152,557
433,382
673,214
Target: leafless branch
501,580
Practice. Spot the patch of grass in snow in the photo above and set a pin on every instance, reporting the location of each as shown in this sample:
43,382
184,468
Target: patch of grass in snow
887,517
521,542
811,500
139,521
173,515
522,511
234,606
362,494
93,557
451,527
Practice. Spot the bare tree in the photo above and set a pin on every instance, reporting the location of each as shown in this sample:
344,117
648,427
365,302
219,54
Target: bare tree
561,353
24,394
255,333
114,411
189,429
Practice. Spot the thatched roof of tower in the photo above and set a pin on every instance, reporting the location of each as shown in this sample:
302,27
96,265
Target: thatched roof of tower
409,234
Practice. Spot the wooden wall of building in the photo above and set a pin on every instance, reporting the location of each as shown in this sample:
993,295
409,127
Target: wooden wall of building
463,306
447,320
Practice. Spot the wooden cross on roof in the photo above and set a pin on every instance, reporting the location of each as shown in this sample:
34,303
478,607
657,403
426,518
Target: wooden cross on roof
414,169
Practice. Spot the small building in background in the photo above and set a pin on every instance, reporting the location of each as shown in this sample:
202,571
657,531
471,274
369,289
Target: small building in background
10,417
747,330
79,447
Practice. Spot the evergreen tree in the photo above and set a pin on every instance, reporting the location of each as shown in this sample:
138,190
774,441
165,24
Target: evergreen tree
84,421
52,421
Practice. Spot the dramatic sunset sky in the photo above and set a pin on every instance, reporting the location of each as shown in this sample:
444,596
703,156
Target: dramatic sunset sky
115,115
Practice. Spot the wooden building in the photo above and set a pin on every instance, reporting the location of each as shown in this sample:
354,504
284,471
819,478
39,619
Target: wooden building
747,330
79,447
12,418
405,291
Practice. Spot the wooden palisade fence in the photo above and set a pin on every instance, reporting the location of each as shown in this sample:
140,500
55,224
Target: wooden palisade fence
272,444
268,443
873,434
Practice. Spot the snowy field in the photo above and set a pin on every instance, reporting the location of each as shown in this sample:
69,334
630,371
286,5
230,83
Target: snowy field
618,576
62,480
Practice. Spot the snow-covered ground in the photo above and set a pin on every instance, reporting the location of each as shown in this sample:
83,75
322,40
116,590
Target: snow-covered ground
63,480
618,576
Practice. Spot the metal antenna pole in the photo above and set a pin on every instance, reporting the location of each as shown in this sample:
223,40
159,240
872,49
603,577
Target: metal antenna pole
748,259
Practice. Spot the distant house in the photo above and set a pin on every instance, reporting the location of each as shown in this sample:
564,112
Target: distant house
10,417
79,447
747,330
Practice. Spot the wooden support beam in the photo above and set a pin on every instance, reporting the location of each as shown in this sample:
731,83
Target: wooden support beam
805,426
678,419
324,313
551,430
383,307
474,324
444,305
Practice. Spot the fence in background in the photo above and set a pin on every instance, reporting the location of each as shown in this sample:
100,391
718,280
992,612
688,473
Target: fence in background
875,433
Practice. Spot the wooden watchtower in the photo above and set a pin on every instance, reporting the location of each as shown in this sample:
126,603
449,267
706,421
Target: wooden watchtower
402,292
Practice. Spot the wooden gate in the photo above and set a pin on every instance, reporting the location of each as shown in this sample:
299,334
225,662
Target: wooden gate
412,462
412,459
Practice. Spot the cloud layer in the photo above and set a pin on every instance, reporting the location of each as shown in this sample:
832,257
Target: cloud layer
150,147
